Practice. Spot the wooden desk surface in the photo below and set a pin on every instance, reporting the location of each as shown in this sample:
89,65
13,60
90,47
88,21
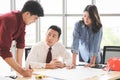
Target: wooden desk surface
112,75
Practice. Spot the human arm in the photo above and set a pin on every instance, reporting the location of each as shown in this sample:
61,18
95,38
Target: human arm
38,65
92,63
73,65
18,68
37,56
19,56
75,44
61,54
95,48
20,44
74,59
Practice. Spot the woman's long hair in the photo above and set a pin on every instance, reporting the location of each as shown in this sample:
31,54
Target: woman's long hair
94,16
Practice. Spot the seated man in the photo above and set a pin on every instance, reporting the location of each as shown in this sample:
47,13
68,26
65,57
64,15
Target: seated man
39,52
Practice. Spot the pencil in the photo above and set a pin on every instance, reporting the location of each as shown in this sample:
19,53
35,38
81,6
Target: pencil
30,67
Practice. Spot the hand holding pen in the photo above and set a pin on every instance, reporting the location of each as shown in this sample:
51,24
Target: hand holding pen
27,72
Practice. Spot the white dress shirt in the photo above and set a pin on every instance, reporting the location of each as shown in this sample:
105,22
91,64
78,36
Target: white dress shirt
37,56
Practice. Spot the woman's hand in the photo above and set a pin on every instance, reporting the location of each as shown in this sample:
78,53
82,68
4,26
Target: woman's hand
90,65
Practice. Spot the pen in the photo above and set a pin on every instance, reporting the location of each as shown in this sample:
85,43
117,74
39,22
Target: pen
109,70
30,67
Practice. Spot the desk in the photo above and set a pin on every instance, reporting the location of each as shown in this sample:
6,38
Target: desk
80,73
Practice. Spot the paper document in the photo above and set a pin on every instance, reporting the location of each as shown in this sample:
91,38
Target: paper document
80,73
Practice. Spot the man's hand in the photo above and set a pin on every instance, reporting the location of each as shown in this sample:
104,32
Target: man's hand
18,68
27,73
55,64
72,66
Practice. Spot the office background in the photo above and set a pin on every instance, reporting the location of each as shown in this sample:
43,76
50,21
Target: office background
65,13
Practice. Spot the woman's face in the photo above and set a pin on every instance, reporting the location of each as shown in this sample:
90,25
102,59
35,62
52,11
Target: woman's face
87,19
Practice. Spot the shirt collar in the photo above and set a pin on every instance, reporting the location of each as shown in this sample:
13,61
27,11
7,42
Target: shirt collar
51,46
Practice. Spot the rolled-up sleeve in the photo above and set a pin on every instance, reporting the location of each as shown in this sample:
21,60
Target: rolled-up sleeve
96,42
12,27
21,41
5,41
76,37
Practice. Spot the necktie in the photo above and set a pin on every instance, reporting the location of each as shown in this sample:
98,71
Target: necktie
49,56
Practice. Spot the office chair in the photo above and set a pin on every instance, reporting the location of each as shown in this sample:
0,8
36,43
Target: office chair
109,52
27,50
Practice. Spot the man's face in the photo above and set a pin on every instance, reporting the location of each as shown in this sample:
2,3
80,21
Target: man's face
51,37
28,18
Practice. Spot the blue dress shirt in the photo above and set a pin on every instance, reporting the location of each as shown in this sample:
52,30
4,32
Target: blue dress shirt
86,42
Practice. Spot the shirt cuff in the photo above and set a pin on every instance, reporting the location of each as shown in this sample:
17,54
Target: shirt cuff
37,65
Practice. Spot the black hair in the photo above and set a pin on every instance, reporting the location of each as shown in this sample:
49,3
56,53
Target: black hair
94,16
56,28
33,7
